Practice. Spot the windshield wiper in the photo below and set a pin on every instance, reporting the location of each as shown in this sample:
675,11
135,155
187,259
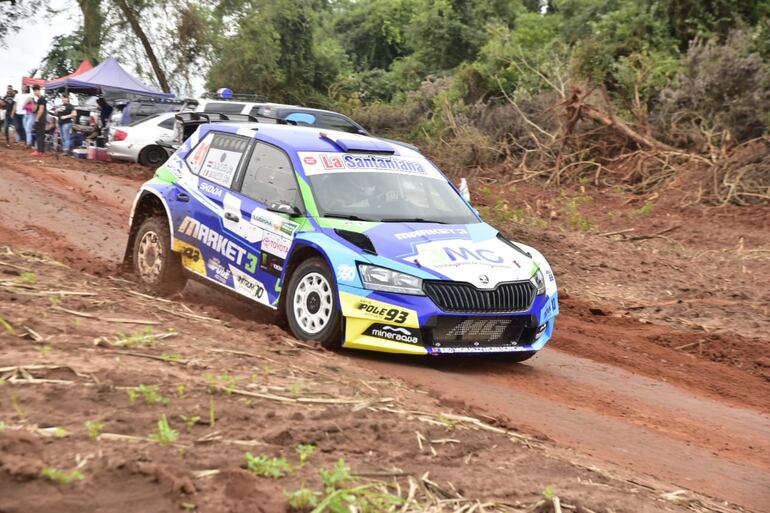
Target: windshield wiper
352,217
411,220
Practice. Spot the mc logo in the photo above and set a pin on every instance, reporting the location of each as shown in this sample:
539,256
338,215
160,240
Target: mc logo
447,255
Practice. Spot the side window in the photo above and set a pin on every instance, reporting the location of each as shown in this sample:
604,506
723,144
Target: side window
269,177
168,124
337,123
217,157
224,107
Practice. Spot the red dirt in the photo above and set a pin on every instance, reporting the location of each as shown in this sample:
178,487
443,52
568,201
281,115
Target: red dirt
664,375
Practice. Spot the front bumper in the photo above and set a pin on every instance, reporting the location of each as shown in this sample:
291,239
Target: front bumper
406,324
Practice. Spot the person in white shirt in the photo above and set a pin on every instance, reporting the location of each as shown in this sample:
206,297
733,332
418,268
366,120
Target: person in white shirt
18,115
25,106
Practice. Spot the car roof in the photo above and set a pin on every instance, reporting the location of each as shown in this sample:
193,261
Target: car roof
300,108
301,138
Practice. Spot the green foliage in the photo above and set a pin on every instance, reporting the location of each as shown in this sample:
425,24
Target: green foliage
28,278
304,451
94,428
150,394
190,421
549,493
7,327
165,435
266,466
344,495
62,477
302,500
645,209
336,477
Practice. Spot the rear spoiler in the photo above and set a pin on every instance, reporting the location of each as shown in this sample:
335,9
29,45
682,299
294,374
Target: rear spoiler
190,121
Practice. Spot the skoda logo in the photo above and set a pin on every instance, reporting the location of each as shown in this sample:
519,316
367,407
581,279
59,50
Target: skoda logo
483,279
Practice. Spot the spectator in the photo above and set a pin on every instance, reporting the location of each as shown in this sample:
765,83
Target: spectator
28,110
41,117
18,114
8,104
66,114
105,110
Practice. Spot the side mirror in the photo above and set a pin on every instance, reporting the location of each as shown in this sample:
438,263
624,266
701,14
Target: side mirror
284,208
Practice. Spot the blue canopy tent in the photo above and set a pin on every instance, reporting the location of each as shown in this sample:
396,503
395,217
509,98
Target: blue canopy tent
109,75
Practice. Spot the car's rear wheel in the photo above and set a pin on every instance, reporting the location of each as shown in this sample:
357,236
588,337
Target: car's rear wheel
153,156
311,304
158,268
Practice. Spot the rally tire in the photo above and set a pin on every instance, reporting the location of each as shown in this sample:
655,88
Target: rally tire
311,305
159,268
153,156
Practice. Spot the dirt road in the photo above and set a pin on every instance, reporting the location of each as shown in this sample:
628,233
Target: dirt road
610,386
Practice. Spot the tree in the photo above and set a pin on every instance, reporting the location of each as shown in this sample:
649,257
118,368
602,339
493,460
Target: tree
133,14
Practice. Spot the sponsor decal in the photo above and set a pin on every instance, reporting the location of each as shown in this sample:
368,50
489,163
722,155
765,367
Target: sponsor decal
249,286
220,166
195,160
191,253
174,164
497,349
276,224
493,329
394,333
219,271
276,244
271,264
346,273
326,162
389,314
218,242
431,232
550,275
310,161
211,189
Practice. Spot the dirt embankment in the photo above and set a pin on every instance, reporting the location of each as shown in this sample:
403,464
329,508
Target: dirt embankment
657,371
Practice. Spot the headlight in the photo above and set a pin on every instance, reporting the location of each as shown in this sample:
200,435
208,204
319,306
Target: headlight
386,280
538,281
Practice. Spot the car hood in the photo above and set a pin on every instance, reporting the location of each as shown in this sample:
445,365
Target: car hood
470,253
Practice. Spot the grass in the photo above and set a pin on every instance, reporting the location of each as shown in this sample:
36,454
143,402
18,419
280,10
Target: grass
304,451
343,494
212,412
7,327
571,207
62,477
190,421
645,209
27,278
143,338
223,381
266,466
165,435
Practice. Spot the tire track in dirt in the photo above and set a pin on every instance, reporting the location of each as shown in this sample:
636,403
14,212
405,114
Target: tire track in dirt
709,433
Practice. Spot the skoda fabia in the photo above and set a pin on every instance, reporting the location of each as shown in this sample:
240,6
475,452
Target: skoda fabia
355,241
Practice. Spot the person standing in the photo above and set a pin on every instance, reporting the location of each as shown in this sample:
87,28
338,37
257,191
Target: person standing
28,110
18,115
41,116
66,114
8,105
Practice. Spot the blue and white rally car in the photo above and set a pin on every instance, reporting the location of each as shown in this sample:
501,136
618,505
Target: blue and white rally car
358,242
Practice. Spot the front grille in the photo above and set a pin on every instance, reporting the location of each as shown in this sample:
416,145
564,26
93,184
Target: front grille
464,297
480,331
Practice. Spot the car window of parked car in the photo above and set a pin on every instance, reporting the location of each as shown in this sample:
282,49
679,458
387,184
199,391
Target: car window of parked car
138,121
333,122
269,177
224,107
217,157
167,123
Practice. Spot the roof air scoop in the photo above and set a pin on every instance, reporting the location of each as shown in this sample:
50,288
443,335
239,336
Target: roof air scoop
360,144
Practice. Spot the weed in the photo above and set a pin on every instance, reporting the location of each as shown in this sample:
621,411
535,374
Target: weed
212,412
149,393
295,389
180,390
44,349
7,326
265,466
448,423
549,493
575,218
55,300
94,428
172,357
17,406
165,434
337,477
485,189
27,278
302,500
3,426
224,382
143,338
304,451
62,477
190,421
60,432
645,209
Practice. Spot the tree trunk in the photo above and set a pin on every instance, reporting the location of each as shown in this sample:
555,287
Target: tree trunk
93,19
131,18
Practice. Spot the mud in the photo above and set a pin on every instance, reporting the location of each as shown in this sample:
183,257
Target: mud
658,371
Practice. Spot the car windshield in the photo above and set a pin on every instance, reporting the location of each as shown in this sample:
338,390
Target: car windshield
388,197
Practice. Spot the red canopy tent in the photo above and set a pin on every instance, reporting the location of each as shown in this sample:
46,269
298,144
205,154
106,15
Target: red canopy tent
84,66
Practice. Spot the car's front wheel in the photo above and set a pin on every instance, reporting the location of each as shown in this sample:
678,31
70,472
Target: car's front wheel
157,266
311,304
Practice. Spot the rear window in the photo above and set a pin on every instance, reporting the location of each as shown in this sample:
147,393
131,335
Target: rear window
321,120
167,123
224,107
217,156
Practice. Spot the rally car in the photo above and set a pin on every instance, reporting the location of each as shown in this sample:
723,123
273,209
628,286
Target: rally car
355,241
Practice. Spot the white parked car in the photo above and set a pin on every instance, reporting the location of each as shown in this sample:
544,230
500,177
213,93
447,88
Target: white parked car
138,142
